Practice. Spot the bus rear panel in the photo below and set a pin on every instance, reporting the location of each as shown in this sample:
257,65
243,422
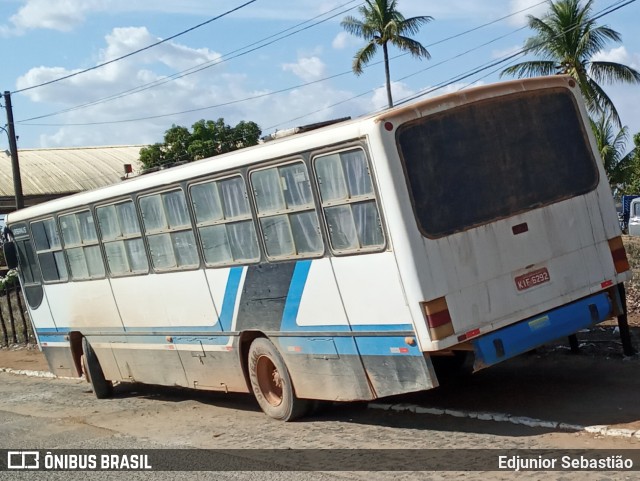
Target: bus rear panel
519,243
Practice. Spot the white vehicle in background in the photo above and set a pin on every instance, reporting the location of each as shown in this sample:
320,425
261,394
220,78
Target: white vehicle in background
634,218
338,264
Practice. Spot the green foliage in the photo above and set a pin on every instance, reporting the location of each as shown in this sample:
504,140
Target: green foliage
380,25
565,41
612,148
632,179
207,139
10,280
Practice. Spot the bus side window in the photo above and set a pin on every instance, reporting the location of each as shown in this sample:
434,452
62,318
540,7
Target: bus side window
49,250
348,201
81,245
122,239
168,229
287,212
28,266
224,222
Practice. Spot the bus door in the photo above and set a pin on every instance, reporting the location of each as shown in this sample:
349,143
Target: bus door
367,276
45,329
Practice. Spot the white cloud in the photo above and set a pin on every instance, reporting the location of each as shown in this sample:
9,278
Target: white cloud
618,55
340,41
61,15
120,76
64,15
625,97
399,91
196,92
344,40
307,68
505,52
124,74
523,8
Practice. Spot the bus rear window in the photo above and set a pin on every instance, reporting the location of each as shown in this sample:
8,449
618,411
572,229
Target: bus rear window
489,160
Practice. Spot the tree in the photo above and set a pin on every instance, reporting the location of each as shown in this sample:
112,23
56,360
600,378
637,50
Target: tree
632,180
380,25
207,139
612,147
566,40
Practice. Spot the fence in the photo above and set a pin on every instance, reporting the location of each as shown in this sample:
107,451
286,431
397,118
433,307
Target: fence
14,323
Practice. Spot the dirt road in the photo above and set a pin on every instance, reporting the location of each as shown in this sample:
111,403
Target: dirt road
38,413
55,413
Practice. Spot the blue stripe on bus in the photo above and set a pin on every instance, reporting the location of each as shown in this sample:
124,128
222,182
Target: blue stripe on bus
317,345
386,346
292,304
296,288
230,296
381,327
518,338
53,338
174,330
161,340
348,346
200,331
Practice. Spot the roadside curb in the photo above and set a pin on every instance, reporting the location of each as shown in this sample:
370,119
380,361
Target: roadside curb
502,417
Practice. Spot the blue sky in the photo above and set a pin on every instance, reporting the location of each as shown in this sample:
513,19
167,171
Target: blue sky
43,40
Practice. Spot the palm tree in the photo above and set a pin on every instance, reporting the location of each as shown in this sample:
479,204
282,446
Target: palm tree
612,147
566,40
381,24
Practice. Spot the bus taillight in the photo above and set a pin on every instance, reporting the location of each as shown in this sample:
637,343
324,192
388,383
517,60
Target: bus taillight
619,255
438,318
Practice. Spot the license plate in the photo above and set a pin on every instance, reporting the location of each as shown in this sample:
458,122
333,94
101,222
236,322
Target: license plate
532,279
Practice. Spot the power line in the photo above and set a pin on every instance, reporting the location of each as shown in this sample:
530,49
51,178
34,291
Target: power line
136,51
204,65
469,73
255,97
606,11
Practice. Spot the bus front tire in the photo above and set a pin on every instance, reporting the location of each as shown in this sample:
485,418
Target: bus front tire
93,372
271,383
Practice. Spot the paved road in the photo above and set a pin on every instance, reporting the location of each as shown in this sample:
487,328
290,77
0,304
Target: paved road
57,413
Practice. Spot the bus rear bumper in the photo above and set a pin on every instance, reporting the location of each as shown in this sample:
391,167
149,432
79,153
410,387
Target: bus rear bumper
516,339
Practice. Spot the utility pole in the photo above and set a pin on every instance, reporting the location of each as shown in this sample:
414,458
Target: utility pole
13,147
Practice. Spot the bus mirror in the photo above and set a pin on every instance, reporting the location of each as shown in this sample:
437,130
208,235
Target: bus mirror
10,254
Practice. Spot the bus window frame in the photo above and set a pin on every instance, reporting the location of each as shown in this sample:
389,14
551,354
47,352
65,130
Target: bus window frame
313,206
177,187
114,202
54,217
82,245
33,291
374,196
251,216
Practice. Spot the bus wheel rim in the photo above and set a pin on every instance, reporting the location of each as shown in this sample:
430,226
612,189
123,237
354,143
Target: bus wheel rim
269,380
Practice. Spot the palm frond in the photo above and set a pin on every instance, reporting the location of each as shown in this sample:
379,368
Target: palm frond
353,26
381,24
415,48
412,25
364,56
598,100
610,72
596,38
532,68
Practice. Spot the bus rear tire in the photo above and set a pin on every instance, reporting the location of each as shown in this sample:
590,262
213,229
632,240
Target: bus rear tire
271,383
93,372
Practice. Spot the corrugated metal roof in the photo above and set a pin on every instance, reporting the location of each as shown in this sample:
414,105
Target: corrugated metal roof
67,170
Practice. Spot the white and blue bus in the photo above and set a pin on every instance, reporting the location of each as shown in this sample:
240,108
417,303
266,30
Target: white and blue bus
338,264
